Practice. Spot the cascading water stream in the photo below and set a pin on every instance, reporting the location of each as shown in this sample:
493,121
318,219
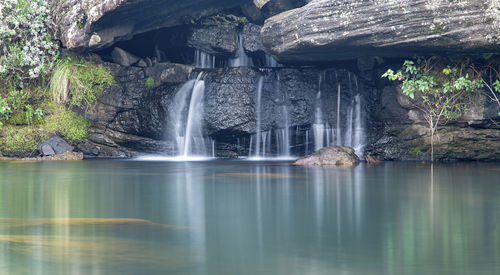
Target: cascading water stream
257,151
194,142
352,125
203,59
318,126
283,135
241,59
186,122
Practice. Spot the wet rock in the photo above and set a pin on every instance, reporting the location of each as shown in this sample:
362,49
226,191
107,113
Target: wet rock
323,31
54,146
123,58
331,156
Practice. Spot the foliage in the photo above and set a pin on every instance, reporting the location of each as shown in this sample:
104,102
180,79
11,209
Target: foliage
5,110
78,81
67,124
27,49
19,141
441,92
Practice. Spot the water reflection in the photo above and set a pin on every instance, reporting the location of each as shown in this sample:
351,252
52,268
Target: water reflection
114,217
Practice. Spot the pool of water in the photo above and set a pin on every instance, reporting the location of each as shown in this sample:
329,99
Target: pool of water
241,217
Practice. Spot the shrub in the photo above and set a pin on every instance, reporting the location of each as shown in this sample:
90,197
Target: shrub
440,91
67,124
5,110
79,82
27,49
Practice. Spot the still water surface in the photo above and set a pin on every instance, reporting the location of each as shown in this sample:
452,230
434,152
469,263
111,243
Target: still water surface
236,217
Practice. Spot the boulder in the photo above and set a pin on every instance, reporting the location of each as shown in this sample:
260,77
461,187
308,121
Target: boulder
86,25
323,31
331,156
54,146
123,58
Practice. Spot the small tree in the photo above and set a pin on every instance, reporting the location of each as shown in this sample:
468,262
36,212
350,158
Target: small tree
441,93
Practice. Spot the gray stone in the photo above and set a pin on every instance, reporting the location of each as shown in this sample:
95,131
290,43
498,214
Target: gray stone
324,31
123,58
57,144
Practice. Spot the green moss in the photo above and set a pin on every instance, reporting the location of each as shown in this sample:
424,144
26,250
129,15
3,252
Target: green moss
20,141
416,151
151,83
68,124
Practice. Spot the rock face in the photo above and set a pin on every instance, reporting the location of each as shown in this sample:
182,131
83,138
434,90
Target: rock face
331,156
327,30
132,117
92,24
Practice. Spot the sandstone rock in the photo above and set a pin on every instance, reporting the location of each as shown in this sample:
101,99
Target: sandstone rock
327,30
331,156
123,58
53,146
86,25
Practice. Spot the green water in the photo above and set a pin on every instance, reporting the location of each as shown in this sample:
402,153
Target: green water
236,217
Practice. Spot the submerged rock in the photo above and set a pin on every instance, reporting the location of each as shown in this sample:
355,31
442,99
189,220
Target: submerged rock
331,156
325,31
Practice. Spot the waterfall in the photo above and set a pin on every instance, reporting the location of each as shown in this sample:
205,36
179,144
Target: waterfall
186,121
256,152
194,142
203,59
241,59
283,135
359,131
338,132
352,125
318,126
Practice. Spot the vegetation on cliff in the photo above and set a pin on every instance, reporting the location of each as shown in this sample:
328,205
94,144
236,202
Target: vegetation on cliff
38,87
443,89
